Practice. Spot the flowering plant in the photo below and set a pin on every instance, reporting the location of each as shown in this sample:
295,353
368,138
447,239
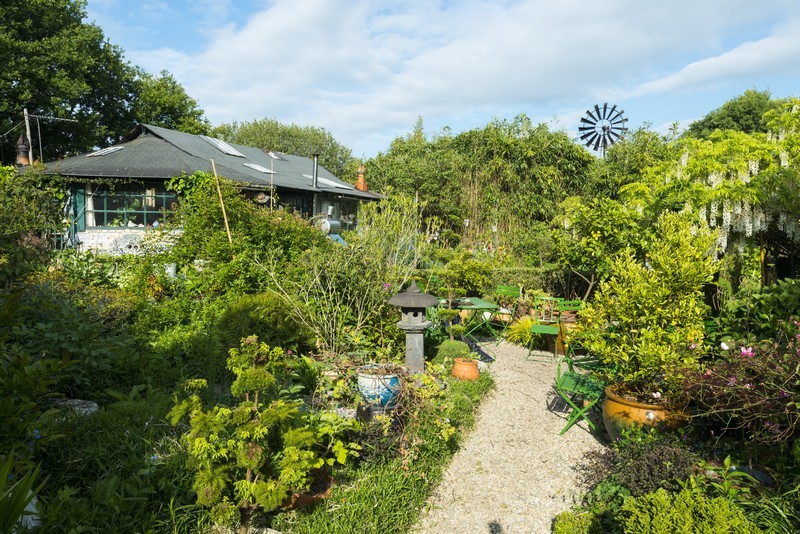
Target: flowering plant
755,386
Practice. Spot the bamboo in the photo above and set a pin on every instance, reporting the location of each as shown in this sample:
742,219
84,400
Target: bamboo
222,203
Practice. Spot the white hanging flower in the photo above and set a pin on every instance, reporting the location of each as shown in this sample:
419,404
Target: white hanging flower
784,159
753,165
685,159
722,239
703,214
726,213
712,215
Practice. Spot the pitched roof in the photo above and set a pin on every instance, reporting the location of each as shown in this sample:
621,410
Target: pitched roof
151,152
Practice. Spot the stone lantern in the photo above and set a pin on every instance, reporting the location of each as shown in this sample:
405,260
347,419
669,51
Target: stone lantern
412,303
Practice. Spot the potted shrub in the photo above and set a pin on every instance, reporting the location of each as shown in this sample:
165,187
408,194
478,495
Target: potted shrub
646,324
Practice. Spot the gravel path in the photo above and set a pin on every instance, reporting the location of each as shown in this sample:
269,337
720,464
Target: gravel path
513,473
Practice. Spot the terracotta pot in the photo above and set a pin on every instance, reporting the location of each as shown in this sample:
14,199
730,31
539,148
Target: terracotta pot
620,413
465,369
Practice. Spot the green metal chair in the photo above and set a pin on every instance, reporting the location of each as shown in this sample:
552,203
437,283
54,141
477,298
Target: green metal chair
580,391
550,329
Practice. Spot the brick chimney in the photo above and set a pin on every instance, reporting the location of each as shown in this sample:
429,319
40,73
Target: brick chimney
361,184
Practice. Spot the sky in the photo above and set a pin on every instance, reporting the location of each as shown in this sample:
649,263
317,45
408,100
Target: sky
367,70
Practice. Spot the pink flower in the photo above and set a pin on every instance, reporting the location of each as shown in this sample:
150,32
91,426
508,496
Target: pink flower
747,352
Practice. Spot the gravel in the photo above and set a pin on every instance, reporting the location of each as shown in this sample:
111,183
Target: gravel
513,473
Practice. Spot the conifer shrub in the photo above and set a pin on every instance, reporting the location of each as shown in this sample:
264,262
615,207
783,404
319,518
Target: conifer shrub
662,512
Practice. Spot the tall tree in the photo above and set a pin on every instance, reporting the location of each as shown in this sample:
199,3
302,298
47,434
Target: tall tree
269,134
56,65
162,101
744,114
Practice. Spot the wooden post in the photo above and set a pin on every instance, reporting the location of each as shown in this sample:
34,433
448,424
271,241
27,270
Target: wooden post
222,203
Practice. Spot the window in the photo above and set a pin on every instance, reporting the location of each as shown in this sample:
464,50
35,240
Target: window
222,146
104,151
258,168
133,205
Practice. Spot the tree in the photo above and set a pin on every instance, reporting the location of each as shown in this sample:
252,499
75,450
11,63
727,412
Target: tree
162,101
743,113
269,134
54,64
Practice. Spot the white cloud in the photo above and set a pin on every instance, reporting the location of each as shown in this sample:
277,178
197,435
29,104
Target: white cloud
366,70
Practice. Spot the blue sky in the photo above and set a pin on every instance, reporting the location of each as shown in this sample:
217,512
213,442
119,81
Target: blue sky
366,70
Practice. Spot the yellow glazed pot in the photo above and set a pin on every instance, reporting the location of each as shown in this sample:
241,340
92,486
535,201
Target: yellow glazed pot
620,413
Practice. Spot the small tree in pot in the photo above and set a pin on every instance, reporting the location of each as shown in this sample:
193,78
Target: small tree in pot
647,322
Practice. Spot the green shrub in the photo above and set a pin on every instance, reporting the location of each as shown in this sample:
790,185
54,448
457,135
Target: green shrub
646,465
520,331
661,512
577,522
449,350
264,315
120,467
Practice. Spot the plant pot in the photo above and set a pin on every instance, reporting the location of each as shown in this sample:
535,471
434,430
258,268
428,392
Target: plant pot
465,369
620,413
379,387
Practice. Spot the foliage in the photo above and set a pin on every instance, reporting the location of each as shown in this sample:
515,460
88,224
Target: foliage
256,233
646,323
341,293
162,101
449,350
389,491
15,494
55,64
654,461
761,313
56,328
266,316
754,387
250,456
577,522
686,511
502,178
269,134
589,235
117,468
28,209
519,331
745,113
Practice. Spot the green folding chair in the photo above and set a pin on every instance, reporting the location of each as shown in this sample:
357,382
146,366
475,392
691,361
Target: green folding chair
550,329
580,392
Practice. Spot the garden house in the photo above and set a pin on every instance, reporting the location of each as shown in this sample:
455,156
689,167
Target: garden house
120,191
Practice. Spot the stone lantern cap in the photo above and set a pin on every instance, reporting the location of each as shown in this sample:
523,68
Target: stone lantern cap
413,297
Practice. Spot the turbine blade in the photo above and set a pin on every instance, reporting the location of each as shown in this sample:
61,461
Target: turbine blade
619,114
597,143
605,109
587,121
591,140
589,112
620,121
588,134
597,109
